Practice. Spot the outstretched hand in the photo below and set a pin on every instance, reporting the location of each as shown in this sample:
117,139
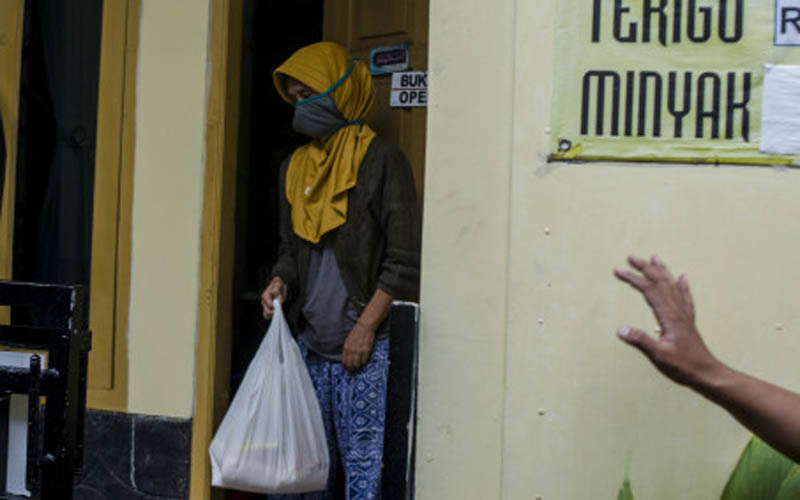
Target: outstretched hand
771,412
677,351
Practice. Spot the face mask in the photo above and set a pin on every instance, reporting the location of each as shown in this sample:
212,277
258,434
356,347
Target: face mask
317,116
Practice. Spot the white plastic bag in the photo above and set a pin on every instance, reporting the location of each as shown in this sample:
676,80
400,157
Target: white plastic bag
272,439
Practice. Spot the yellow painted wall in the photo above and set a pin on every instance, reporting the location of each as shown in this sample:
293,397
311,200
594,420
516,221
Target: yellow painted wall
524,390
167,205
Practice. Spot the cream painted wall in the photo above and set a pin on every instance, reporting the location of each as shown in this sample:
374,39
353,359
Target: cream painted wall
524,390
167,205
465,249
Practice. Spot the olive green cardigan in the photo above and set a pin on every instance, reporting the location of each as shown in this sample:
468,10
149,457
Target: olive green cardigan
379,244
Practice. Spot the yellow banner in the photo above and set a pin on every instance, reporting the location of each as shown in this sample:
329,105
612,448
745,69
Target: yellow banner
670,80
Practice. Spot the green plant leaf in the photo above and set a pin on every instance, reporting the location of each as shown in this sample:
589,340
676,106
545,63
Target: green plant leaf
790,488
759,473
625,492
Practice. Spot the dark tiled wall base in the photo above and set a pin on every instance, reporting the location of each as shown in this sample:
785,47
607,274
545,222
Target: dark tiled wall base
134,457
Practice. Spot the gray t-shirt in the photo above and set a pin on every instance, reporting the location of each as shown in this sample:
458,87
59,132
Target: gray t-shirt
329,313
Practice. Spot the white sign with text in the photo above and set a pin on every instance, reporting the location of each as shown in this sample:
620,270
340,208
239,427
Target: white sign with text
409,89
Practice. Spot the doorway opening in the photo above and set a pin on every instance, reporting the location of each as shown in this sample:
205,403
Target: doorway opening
271,34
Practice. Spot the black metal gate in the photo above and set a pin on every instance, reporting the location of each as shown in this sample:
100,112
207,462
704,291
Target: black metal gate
55,439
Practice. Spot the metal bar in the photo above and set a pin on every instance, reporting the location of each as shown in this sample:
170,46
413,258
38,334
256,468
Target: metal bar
77,303
5,408
400,404
81,412
49,305
54,460
18,293
18,380
55,421
72,408
79,349
30,337
32,469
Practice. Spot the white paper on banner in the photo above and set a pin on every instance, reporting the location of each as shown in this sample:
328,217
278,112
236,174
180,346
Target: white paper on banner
780,115
17,427
787,22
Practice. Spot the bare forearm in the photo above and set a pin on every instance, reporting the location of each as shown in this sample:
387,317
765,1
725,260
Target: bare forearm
358,344
376,310
769,411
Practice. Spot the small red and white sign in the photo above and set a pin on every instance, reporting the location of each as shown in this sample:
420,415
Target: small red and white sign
409,89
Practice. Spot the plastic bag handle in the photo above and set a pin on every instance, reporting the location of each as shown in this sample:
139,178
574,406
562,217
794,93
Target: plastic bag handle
279,312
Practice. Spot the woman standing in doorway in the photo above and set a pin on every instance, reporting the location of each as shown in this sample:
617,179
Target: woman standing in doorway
349,246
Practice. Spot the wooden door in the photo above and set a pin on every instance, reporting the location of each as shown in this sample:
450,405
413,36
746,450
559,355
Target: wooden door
11,17
361,25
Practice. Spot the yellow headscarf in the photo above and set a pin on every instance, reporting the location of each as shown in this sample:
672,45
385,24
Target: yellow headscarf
321,172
